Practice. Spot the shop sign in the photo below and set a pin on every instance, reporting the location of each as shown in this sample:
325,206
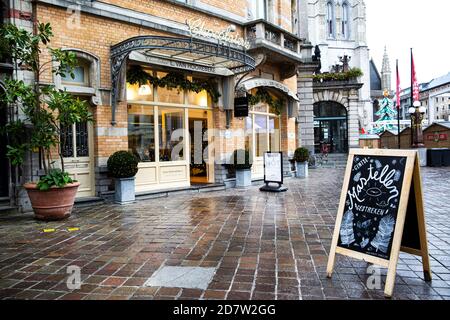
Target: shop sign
381,211
436,137
197,27
241,107
273,172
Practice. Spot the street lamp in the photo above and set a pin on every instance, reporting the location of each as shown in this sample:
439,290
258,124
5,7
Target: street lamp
417,114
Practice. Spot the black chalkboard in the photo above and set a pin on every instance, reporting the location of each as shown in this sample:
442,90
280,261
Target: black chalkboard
372,204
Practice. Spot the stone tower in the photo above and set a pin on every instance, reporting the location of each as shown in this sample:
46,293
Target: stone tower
386,74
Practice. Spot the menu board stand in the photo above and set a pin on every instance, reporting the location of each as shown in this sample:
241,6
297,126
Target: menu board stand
273,172
381,212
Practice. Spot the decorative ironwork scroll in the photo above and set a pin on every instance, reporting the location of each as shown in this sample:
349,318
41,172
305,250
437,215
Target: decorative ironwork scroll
236,60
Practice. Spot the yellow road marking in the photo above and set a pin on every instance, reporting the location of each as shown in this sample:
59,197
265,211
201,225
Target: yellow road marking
49,230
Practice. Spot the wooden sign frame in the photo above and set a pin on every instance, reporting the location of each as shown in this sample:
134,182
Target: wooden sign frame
411,178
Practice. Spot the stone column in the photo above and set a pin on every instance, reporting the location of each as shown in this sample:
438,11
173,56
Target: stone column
353,119
305,119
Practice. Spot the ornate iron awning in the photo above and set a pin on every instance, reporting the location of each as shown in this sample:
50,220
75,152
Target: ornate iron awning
247,85
200,53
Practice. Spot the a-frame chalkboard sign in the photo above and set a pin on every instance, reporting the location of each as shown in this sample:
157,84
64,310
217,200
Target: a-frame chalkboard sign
381,211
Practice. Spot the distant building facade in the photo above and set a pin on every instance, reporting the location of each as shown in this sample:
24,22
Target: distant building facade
337,109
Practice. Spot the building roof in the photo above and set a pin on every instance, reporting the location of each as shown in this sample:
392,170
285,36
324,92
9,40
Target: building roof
375,78
445,124
438,82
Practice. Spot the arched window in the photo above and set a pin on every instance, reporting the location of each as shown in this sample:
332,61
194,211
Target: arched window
330,19
345,21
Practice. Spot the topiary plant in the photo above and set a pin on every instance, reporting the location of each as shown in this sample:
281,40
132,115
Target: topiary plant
123,164
240,160
301,155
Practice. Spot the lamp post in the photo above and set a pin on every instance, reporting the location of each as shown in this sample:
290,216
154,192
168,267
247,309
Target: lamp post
417,114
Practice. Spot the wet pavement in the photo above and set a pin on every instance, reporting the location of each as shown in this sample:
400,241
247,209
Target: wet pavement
263,246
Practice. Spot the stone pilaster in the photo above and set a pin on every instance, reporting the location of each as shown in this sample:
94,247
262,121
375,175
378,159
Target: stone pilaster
305,119
353,119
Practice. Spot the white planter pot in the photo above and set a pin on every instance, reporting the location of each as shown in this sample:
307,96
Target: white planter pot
243,178
301,169
125,191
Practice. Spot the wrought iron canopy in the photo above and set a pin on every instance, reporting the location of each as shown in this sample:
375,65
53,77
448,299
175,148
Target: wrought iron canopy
197,53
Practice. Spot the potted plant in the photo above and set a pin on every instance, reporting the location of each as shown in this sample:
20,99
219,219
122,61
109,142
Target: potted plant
123,166
44,113
242,165
301,157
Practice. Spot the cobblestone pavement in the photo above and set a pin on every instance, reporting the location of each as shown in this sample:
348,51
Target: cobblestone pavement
264,246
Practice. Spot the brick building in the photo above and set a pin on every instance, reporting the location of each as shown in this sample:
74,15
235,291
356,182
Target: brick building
240,47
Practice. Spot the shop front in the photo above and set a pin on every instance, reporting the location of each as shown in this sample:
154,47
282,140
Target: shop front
175,95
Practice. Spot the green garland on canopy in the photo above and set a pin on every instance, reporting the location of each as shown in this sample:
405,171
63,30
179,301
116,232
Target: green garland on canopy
173,80
262,95
340,76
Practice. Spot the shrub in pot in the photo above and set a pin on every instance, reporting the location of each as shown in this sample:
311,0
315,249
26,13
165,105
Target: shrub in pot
45,112
301,157
123,167
240,162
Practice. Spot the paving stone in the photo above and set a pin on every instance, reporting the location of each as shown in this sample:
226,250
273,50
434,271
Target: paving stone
258,246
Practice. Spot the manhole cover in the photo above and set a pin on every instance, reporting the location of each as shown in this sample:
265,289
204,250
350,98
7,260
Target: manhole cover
181,277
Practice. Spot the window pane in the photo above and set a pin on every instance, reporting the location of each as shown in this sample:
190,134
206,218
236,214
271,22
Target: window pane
169,96
171,134
141,133
261,135
249,134
82,139
140,93
201,99
274,134
67,141
79,73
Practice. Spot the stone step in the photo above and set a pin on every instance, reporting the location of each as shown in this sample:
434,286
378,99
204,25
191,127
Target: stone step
191,189
88,201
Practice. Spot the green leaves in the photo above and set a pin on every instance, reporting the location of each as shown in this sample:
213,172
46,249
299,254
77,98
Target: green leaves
262,95
353,73
173,80
43,109
55,178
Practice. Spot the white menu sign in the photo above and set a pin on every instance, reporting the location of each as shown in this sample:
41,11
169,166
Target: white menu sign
273,167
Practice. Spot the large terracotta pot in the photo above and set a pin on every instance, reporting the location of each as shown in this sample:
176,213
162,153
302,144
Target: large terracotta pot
54,204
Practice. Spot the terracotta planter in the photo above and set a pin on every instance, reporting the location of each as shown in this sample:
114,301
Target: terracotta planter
54,204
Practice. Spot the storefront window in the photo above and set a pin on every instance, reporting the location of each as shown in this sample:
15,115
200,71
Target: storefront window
201,99
249,133
261,135
169,95
141,130
274,134
171,134
140,93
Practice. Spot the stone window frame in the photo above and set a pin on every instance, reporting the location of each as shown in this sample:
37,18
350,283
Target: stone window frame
346,23
330,21
94,74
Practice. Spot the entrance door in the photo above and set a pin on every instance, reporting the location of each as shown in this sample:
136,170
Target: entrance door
200,166
330,127
77,151
332,133
4,163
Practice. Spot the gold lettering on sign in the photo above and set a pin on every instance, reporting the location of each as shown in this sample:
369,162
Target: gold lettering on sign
197,27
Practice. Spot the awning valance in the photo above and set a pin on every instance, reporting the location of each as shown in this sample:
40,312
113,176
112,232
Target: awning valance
247,85
181,53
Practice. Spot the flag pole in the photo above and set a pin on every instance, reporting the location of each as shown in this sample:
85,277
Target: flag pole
412,96
398,106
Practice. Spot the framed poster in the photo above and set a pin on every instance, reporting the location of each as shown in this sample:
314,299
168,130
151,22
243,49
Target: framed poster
273,167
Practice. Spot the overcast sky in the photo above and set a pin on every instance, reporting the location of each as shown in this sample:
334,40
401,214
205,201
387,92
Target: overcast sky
404,24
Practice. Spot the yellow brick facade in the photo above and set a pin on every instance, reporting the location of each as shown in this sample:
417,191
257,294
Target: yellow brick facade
96,35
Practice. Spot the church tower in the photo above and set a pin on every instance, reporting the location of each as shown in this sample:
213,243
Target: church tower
386,74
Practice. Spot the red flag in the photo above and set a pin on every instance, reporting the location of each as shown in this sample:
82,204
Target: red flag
415,84
398,88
